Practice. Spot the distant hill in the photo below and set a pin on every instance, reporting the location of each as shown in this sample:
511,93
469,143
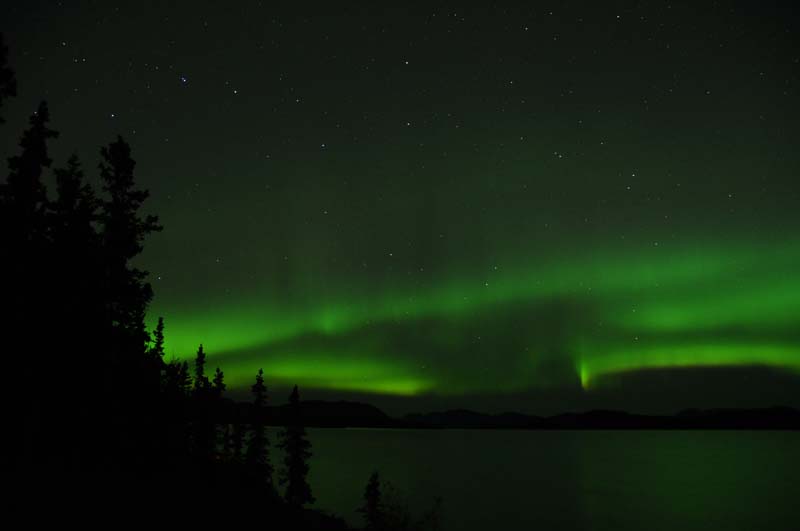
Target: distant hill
343,414
335,414
768,418
462,418
315,413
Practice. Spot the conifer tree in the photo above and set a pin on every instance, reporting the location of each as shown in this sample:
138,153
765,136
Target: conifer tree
75,289
157,350
218,385
73,215
204,429
127,293
297,450
171,385
27,282
177,380
372,509
24,196
184,378
157,368
220,434
26,260
201,384
75,207
257,454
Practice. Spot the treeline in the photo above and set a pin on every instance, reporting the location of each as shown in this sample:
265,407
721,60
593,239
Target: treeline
98,418
95,410
83,388
210,429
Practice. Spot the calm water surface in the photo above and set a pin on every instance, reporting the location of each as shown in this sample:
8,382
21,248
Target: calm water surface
621,480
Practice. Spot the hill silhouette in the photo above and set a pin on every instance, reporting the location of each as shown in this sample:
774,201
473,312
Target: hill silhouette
347,414
783,418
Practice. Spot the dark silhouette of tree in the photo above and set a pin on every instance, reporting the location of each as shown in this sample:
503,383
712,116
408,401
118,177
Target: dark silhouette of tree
257,454
259,391
23,203
372,508
177,380
125,229
184,378
24,196
157,350
218,385
297,449
73,215
204,432
176,395
75,289
75,207
25,271
201,384
216,410
123,234
8,83
156,371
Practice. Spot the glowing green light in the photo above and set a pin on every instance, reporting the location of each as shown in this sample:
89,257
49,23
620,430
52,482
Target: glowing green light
688,355
632,309
362,374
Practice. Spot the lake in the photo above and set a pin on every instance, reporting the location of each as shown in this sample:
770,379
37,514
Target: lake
570,480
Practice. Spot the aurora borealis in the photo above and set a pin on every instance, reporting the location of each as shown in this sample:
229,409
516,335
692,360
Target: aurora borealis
715,308
432,207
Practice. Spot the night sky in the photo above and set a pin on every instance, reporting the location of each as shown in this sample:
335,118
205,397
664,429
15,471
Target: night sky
541,208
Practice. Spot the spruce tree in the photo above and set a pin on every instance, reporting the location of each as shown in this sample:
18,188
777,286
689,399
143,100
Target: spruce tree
173,385
75,208
27,284
215,410
372,509
157,350
201,384
218,384
184,378
76,243
76,290
257,453
204,430
126,291
297,451
23,196
156,368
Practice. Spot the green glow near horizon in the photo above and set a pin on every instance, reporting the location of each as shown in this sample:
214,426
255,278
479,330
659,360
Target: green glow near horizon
625,359
654,293
325,372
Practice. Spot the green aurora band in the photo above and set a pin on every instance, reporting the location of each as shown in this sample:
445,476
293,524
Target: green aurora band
589,316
